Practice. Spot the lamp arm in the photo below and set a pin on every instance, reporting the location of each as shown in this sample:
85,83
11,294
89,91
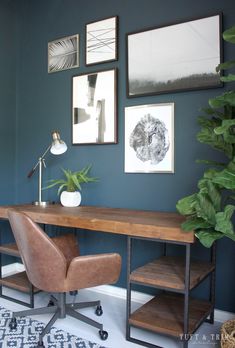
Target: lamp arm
36,165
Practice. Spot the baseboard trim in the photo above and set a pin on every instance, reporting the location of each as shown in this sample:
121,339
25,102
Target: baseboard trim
111,290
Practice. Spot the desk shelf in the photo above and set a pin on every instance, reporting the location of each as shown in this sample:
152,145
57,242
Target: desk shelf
169,272
18,281
173,312
9,249
165,314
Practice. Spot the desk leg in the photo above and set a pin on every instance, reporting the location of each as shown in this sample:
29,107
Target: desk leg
186,296
128,294
212,284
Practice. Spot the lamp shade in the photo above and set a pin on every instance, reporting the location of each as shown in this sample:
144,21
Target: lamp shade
58,146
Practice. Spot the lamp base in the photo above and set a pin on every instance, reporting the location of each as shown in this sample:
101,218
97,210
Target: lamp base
42,204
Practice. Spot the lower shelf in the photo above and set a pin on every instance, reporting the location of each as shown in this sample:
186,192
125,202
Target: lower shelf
165,314
18,281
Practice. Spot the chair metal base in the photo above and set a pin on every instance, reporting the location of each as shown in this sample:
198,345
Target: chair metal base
60,310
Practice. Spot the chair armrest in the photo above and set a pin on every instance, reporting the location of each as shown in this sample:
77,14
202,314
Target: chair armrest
93,270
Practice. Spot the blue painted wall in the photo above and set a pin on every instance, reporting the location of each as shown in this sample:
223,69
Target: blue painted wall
44,104
7,109
7,100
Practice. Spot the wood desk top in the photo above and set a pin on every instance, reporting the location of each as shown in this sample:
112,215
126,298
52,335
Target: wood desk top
136,223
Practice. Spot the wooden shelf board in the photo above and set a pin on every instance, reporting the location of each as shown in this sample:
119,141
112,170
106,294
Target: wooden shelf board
10,249
164,314
18,281
169,272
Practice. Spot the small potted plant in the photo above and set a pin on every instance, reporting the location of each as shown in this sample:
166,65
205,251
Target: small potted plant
70,186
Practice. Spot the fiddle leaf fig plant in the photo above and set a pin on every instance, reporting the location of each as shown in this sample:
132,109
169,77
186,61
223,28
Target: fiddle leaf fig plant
72,180
209,211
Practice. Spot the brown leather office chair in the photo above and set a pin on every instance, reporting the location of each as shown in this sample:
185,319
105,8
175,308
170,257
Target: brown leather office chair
54,265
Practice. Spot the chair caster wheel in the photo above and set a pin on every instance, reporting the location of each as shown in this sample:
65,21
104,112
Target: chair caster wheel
13,324
103,335
99,311
50,303
40,345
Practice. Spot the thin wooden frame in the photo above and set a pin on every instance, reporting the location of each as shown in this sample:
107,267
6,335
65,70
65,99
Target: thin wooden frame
94,108
101,41
63,53
173,58
149,138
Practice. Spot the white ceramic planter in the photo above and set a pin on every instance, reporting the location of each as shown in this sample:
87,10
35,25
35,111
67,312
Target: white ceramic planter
70,199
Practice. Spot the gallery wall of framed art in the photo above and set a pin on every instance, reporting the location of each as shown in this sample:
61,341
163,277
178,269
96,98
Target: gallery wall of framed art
164,59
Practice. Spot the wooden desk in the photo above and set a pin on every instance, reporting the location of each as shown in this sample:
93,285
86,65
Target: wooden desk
167,314
138,223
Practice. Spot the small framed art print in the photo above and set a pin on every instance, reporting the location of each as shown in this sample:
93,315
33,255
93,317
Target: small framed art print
149,138
101,41
63,53
94,114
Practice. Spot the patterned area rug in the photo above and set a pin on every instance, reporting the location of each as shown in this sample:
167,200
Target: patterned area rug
26,335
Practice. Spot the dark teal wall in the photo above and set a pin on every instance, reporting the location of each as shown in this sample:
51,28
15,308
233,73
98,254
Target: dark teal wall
7,109
7,101
44,104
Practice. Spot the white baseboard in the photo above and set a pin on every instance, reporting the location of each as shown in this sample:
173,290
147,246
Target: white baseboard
111,290
7,270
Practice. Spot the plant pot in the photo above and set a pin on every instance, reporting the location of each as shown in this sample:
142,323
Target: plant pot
70,199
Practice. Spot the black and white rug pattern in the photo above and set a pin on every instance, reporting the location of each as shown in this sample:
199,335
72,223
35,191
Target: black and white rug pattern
27,332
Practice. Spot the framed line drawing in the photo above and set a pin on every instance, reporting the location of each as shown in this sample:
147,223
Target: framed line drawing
149,138
63,53
177,57
101,41
94,108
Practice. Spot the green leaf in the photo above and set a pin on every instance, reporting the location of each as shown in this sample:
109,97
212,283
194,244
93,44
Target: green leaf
229,35
226,129
223,220
231,165
194,223
228,78
185,206
225,126
222,100
208,237
225,65
208,136
225,178
212,163
61,188
204,208
75,181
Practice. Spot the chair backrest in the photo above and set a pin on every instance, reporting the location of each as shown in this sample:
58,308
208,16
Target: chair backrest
45,264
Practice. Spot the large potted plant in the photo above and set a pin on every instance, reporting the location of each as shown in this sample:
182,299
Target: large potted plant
209,211
70,186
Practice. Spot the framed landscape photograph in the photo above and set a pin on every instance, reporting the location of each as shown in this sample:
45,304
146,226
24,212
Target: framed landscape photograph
63,53
176,57
101,41
149,138
94,108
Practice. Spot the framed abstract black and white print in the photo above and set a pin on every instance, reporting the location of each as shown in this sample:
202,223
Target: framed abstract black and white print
149,138
177,57
63,53
94,108
101,41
